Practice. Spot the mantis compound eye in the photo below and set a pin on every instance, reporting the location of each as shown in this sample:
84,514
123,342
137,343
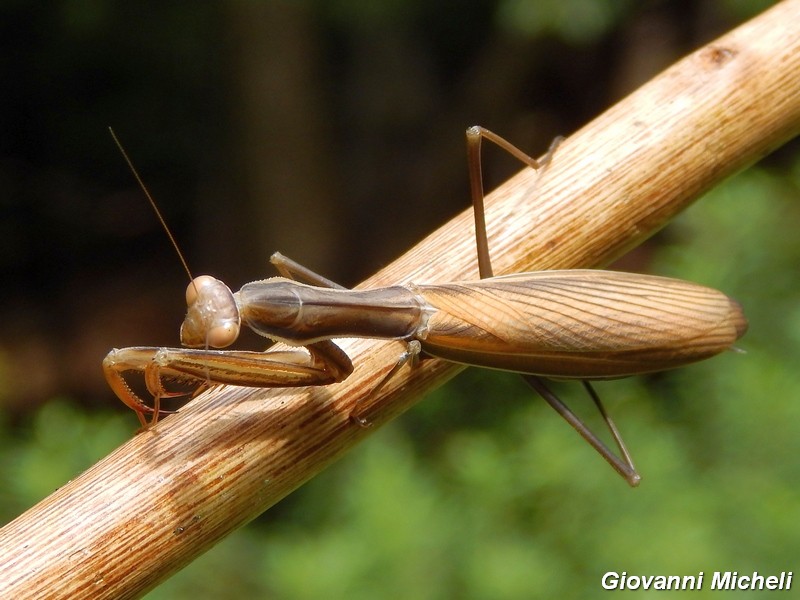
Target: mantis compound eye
212,319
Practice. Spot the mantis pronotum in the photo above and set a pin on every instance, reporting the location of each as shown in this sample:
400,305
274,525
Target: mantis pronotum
571,324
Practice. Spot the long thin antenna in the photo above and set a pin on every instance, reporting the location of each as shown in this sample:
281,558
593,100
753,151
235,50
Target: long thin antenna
152,202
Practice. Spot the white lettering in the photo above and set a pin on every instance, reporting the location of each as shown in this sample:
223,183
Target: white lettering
663,583
731,580
613,580
610,581
722,581
648,581
689,582
633,582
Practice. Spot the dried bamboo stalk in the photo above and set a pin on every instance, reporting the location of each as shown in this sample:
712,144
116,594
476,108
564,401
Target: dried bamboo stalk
169,494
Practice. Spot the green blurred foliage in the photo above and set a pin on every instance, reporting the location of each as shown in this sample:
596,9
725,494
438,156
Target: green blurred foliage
479,491
58,443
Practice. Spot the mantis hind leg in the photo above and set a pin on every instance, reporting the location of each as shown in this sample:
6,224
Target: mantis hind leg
622,465
475,135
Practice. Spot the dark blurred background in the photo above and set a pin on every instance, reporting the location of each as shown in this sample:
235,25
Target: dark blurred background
333,132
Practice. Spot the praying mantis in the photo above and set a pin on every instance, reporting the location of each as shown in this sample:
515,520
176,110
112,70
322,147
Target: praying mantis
564,324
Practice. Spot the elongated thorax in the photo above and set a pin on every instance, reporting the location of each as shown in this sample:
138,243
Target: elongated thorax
286,310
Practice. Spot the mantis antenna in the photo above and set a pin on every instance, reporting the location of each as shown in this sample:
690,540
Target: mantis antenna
152,202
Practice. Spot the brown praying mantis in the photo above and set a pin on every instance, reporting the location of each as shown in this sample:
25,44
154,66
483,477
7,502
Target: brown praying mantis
564,324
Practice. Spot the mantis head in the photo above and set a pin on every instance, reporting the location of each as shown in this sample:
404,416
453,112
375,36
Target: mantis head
212,318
